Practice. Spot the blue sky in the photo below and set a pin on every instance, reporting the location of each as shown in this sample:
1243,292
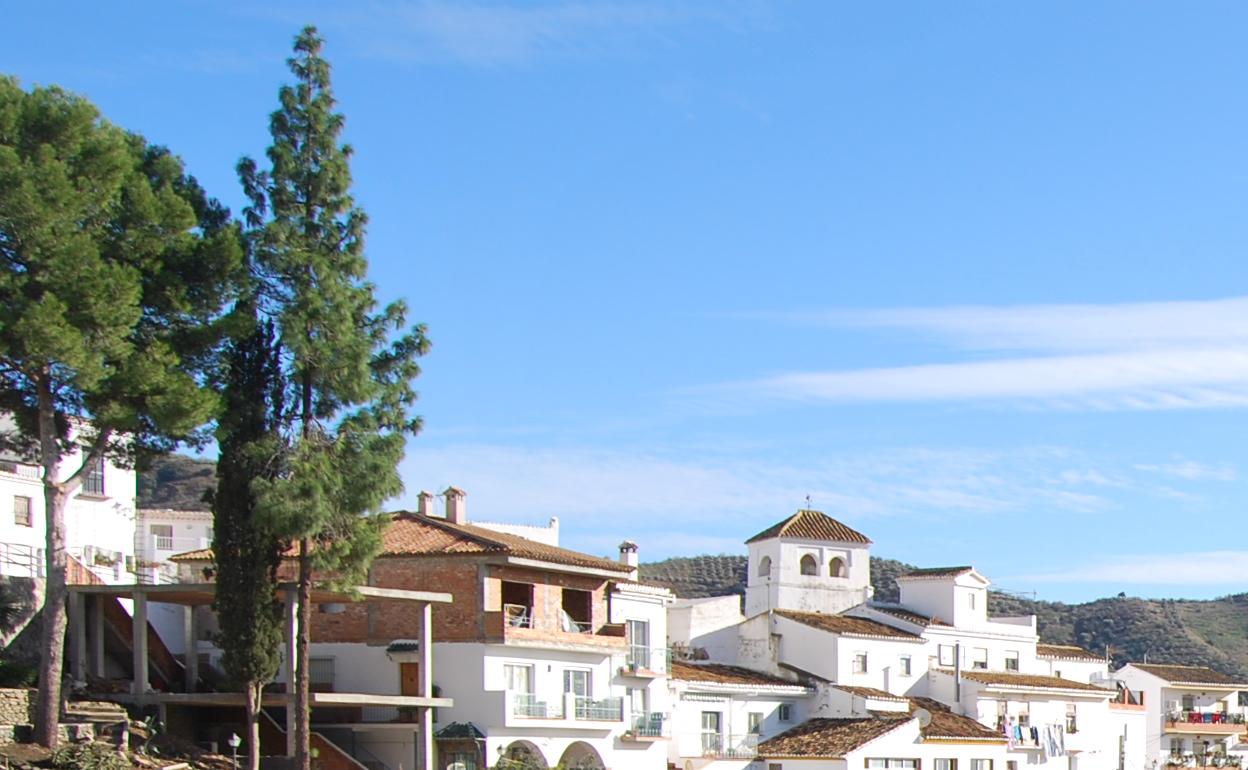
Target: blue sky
970,275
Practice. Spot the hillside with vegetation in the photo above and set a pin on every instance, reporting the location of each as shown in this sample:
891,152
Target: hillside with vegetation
1210,633
178,482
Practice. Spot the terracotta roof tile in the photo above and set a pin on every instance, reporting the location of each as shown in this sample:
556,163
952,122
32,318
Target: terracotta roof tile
947,725
812,525
828,738
1068,651
1011,679
724,674
938,571
410,534
909,616
868,692
1188,674
846,624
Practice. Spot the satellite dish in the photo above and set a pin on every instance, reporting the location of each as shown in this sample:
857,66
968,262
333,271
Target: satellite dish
924,716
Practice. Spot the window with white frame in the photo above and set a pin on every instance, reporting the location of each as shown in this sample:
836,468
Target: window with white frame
945,654
93,484
946,764
981,764
903,665
971,600
576,682
892,763
1011,660
1072,725
21,512
860,663
754,720
461,760
979,657
519,678
162,534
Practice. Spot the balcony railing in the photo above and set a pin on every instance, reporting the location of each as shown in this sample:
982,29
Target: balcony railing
529,706
729,746
603,710
518,615
1205,717
649,725
652,659
1202,760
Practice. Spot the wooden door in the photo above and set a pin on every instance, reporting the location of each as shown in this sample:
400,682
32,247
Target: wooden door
409,678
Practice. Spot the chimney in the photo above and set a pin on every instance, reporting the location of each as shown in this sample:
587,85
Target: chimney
628,555
424,503
455,505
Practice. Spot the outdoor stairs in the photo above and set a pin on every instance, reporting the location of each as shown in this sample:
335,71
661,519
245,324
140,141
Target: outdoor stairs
95,720
329,755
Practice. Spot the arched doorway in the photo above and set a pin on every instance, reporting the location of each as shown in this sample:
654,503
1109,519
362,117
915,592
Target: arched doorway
521,755
581,756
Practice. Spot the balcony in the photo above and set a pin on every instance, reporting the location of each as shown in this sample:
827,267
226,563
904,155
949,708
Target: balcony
1204,723
646,728
602,710
718,746
518,616
1208,760
529,706
567,707
646,662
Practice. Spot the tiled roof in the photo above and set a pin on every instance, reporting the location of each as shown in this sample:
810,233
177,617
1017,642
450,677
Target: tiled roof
1187,674
845,624
461,731
868,692
1069,651
828,738
812,525
909,616
947,725
410,534
1011,679
938,571
724,674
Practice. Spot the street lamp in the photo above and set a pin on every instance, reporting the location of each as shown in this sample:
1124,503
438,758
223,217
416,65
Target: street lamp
234,742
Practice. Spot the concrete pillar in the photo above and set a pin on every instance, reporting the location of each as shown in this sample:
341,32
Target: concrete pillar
292,625
138,638
425,738
77,636
96,660
191,631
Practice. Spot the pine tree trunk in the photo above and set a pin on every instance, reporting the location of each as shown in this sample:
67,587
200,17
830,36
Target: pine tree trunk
52,661
254,694
303,736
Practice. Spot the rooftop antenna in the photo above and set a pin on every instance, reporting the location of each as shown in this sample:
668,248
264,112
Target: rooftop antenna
808,502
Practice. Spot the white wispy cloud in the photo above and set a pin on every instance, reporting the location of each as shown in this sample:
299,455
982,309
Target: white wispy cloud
1192,568
1133,356
1192,471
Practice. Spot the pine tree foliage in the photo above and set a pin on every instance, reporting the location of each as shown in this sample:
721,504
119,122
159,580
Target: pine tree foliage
114,267
348,364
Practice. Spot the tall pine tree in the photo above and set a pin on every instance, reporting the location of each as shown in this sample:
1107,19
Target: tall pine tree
114,268
247,552
348,366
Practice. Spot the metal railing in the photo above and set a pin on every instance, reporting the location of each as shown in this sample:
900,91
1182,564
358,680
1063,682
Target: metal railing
602,710
529,706
577,626
649,725
379,714
518,615
21,560
729,746
1205,717
639,658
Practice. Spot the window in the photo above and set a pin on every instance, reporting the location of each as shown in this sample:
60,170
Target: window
785,712
893,764
461,760
518,604
94,482
774,766
519,678
836,568
1011,764
163,535
21,512
1071,724
638,634
904,665
712,734
860,663
946,764
577,611
576,682
1011,660
755,720
321,674
1057,674
979,657
945,652
970,600
981,764
809,566
764,567
1188,702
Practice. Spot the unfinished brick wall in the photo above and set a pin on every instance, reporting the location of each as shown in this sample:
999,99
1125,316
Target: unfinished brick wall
17,706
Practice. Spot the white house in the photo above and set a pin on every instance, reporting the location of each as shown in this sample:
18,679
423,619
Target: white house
1194,714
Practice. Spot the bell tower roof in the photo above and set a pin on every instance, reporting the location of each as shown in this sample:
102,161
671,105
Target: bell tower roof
812,525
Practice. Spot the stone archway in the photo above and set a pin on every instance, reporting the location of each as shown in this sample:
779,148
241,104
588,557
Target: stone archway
521,755
581,756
